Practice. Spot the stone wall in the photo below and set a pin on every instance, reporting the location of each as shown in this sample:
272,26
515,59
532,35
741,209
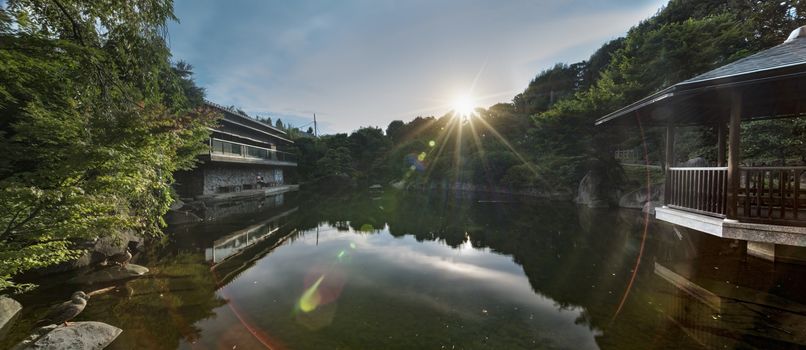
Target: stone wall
236,178
189,183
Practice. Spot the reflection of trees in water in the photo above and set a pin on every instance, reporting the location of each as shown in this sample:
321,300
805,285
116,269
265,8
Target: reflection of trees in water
156,311
578,257
161,309
574,256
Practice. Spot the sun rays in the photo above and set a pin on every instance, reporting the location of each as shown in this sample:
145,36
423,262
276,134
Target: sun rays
451,146
464,115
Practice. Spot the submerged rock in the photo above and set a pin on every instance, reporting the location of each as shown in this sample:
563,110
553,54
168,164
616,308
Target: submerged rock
181,217
76,336
9,309
110,274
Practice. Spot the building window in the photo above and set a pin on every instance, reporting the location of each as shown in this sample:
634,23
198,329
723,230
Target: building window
230,148
218,146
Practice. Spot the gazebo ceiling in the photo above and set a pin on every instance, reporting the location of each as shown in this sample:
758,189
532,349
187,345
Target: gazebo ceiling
772,84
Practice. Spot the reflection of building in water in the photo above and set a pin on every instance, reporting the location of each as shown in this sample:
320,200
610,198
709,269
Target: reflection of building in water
235,233
235,242
216,210
718,314
223,219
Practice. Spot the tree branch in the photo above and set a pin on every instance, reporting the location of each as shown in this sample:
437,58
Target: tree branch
76,29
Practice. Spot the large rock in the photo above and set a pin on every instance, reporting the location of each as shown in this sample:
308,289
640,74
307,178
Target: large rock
9,309
177,204
592,192
649,207
697,162
637,198
110,274
97,251
76,336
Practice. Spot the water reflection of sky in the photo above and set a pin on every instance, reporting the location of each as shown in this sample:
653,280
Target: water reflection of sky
452,273
397,287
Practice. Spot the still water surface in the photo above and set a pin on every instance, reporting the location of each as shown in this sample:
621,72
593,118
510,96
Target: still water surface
441,272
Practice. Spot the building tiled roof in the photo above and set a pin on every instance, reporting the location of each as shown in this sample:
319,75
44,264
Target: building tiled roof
788,54
780,62
238,113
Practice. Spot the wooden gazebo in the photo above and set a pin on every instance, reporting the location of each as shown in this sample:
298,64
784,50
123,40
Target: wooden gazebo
756,204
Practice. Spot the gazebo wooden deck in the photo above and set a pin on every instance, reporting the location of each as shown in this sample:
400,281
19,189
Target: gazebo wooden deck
765,206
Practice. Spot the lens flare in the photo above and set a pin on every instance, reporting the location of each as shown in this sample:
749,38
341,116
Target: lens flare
416,161
310,299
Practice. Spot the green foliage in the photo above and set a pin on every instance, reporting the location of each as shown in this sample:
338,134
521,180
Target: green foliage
94,120
779,141
684,39
336,162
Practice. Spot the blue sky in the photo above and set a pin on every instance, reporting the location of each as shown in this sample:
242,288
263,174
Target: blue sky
367,62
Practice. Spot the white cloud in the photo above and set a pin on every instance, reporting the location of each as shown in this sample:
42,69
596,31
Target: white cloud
366,64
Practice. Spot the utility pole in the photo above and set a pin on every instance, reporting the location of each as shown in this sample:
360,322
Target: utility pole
315,129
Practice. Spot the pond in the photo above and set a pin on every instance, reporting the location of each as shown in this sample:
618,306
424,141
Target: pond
411,271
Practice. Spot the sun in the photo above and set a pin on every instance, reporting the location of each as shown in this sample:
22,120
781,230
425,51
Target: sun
464,106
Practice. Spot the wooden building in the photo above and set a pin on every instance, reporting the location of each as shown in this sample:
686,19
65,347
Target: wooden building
765,206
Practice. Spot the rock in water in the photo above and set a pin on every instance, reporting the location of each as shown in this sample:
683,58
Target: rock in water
649,207
76,336
122,258
637,198
110,274
592,192
9,309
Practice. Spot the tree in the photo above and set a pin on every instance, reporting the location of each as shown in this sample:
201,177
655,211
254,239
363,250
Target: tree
395,130
94,120
336,162
279,124
310,130
775,141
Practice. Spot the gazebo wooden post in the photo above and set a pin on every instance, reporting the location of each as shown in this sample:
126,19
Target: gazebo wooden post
667,190
733,154
720,142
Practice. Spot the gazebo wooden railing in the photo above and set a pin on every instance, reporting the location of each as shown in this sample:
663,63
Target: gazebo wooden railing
701,190
773,195
770,195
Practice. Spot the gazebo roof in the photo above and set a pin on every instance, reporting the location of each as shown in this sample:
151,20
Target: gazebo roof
772,83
